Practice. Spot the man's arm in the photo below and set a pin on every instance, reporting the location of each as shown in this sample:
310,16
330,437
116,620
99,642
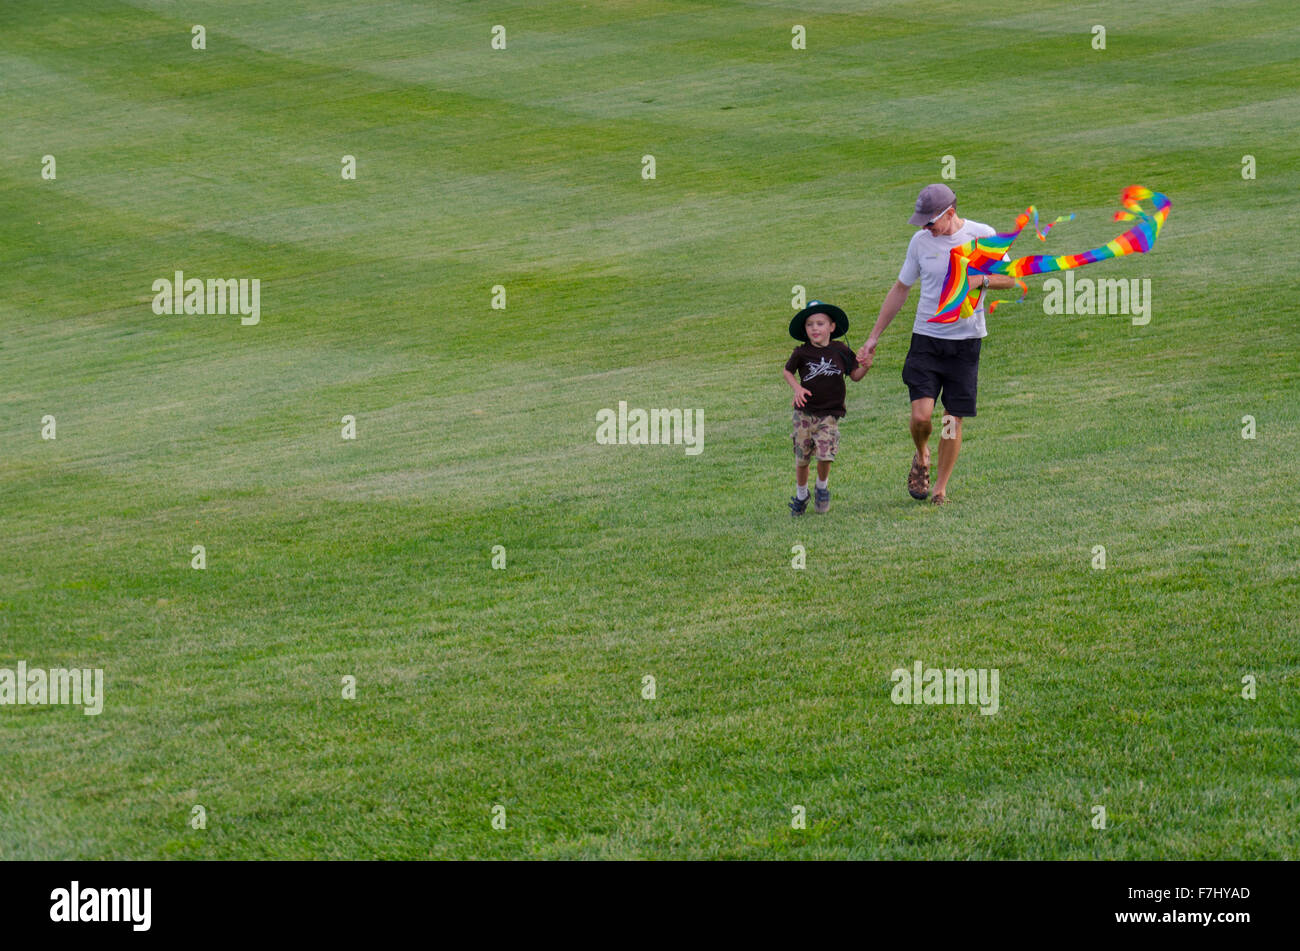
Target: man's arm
998,281
894,302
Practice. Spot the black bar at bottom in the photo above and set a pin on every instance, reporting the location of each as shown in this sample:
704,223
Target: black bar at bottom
945,900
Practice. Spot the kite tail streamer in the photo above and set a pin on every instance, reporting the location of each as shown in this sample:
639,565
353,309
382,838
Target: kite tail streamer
987,255
1024,292
1042,232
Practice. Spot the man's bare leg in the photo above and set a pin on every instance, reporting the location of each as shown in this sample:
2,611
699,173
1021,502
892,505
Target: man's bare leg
922,411
949,447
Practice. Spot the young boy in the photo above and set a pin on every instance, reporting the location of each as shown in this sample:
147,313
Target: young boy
822,363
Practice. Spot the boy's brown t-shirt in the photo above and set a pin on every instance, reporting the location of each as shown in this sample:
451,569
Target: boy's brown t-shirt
821,371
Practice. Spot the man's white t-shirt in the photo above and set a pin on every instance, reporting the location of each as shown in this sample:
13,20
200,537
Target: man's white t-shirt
927,258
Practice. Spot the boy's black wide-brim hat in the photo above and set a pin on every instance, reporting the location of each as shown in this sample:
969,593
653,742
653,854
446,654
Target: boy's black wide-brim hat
841,320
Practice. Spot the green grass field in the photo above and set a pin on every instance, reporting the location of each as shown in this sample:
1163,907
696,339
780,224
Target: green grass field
522,687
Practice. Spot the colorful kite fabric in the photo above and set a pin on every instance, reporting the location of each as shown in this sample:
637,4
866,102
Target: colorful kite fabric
985,255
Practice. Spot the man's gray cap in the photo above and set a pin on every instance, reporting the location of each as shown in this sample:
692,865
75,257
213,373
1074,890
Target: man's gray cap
932,202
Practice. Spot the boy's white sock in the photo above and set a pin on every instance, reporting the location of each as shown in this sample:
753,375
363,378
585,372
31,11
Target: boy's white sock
801,492
821,483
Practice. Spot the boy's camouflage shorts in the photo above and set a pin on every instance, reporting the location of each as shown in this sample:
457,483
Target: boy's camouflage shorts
815,433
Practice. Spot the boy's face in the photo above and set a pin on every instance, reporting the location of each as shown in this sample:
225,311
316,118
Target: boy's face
818,327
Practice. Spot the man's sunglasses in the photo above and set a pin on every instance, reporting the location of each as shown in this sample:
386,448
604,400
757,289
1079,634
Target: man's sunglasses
936,217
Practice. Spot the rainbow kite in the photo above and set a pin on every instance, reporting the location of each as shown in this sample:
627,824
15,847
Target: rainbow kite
985,255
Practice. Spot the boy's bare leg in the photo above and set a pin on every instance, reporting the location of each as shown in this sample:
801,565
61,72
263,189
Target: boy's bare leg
801,474
948,449
823,470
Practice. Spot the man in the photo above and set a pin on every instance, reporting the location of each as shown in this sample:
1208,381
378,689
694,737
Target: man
943,360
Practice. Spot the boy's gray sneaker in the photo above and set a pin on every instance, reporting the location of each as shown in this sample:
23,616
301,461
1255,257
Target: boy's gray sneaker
798,505
823,504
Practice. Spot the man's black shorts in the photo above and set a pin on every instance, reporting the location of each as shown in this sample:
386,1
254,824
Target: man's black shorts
950,367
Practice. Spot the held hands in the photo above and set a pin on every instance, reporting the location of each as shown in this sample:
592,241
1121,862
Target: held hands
800,395
867,353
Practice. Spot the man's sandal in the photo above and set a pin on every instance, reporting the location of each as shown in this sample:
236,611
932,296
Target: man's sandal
939,498
918,479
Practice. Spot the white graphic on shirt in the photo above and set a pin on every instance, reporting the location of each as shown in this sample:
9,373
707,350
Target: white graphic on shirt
825,368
